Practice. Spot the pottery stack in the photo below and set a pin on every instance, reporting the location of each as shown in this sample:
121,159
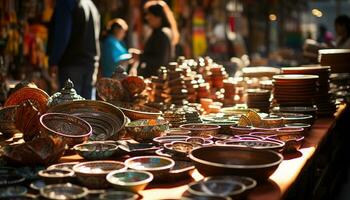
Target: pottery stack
258,98
323,98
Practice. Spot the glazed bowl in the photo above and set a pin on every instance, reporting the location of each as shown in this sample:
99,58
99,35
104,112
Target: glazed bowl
146,129
256,144
130,180
179,148
248,182
272,122
113,195
198,129
236,130
292,141
295,118
96,150
306,127
290,130
228,160
53,176
222,188
70,129
136,112
66,165
93,174
63,191
177,132
157,165
168,139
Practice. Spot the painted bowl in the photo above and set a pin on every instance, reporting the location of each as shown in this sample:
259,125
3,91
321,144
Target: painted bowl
198,129
248,182
130,180
93,174
257,144
222,188
53,176
168,139
63,191
107,121
292,141
113,195
227,160
8,120
157,165
136,112
70,129
236,130
134,84
67,165
146,129
96,150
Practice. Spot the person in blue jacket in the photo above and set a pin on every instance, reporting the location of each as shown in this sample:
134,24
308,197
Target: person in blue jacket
113,49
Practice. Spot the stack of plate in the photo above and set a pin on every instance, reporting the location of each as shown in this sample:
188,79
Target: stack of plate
338,59
295,89
323,98
260,99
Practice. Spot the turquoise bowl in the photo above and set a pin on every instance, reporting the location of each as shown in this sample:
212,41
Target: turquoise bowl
97,150
130,180
146,129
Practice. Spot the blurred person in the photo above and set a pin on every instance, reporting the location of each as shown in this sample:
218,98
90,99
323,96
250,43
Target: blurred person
74,43
113,49
342,29
159,48
324,36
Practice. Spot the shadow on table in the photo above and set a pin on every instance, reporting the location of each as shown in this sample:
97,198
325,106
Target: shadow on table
267,190
293,155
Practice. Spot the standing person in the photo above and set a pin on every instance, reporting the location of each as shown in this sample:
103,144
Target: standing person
160,46
74,43
113,49
342,29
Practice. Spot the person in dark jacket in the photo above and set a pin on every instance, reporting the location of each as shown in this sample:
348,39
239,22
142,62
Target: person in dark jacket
160,46
74,43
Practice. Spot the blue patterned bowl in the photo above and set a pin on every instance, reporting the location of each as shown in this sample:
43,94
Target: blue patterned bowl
93,174
146,129
130,180
97,150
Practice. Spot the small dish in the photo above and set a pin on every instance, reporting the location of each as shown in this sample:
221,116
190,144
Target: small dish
257,144
196,140
157,165
37,185
201,129
113,195
183,147
53,176
136,149
292,141
248,182
93,174
12,191
63,191
221,188
168,139
66,165
306,127
146,129
290,130
129,180
182,169
96,150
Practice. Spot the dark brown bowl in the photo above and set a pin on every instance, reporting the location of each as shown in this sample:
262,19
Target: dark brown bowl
226,160
292,141
106,120
72,130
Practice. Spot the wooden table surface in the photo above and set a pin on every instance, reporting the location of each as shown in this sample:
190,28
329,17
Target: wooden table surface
277,185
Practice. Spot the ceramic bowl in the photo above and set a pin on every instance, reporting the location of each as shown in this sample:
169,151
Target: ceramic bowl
292,141
262,134
93,174
136,112
272,122
257,144
67,165
228,160
248,182
306,127
146,129
222,188
107,121
12,191
201,129
137,149
157,165
297,109
182,148
113,195
53,176
63,191
295,118
72,130
236,130
130,180
168,139
96,150
8,120
134,84
177,132
290,130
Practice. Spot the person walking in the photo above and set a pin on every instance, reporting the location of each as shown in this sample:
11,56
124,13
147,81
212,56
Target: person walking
74,43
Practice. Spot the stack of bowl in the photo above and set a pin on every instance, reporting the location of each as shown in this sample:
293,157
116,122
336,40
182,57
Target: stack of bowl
260,99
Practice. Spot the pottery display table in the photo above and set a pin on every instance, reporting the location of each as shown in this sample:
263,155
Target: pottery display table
279,183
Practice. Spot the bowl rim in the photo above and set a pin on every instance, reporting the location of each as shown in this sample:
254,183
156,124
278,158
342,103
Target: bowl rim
111,174
68,173
199,193
162,122
77,166
294,130
210,127
65,115
57,166
277,143
137,111
168,166
114,147
298,139
160,139
198,160
298,125
83,193
247,178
